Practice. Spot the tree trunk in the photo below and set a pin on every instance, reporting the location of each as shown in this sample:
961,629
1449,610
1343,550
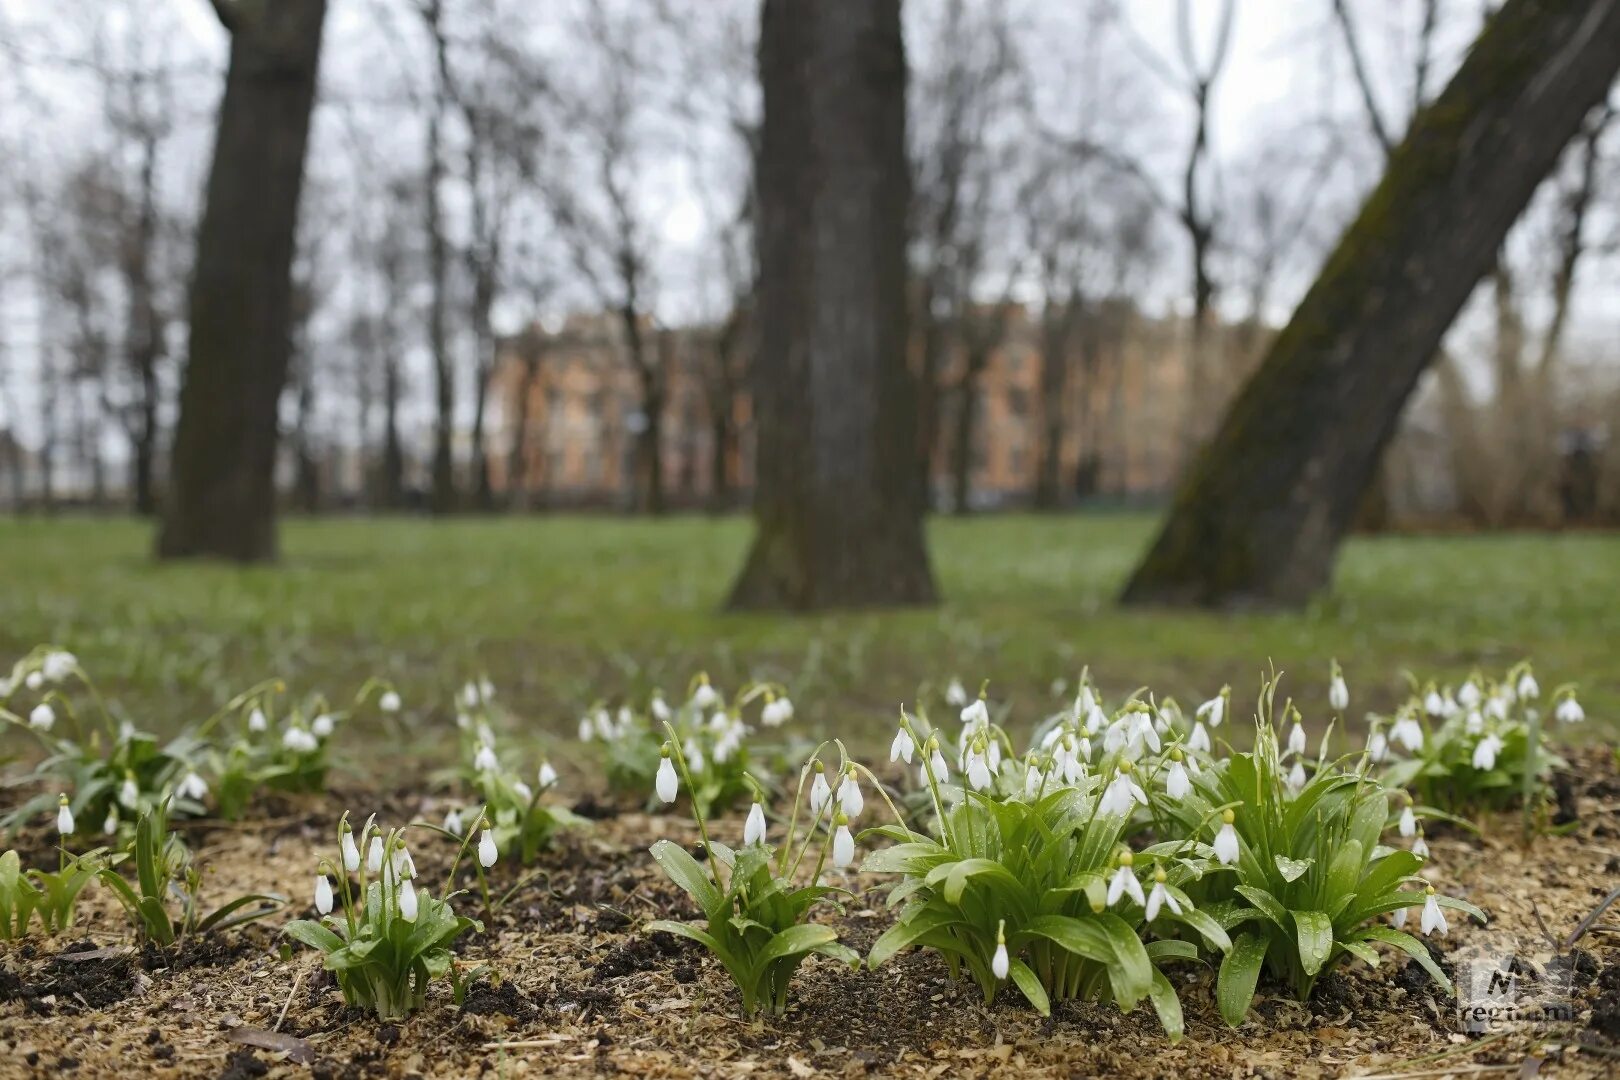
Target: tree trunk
1261,514
1056,331
443,499
517,460
145,335
962,445
222,490
838,514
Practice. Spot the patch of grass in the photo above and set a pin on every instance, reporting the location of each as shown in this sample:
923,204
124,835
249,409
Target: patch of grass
560,610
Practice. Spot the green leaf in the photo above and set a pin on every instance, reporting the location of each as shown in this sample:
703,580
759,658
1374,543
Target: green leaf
313,934
925,920
1314,932
1292,869
1240,970
220,917
1029,985
1412,947
687,930
1083,937
1167,1005
1131,971
1266,904
1208,927
793,941
1171,949
1361,951
684,871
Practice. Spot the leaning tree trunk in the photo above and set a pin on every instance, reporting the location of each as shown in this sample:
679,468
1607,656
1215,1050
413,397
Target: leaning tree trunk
838,514
221,498
1260,515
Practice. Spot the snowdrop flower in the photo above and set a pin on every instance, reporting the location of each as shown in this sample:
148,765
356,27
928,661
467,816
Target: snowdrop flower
523,791
1485,753
1474,723
1176,781
322,726
1073,766
1214,710
484,760
547,775
193,787
976,713
1408,733
34,680
1468,695
351,853
126,731
754,827
705,695
1433,703
1033,780
1226,841
1296,777
1338,692
389,702
6,686
999,962
42,717
843,846
659,707
937,761
902,747
1408,822
1432,919
1296,738
777,711
1497,708
1199,739
323,894
1398,918
849,795
1528,688
586,728
1420,846
486,847
469,696
129,793
407,901
299,741
257,721
463,721
978,770
110,825
1160,897
452,822
1143,732
1569,711
64,817
694,755
1377,746
486,688
955,694
667,783
1121,793
820,790
374,855
1124,882
58,665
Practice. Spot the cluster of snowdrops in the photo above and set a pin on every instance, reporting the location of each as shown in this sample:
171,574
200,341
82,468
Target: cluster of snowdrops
1116,844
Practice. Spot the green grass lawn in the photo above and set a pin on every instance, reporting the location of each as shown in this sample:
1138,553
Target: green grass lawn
561,610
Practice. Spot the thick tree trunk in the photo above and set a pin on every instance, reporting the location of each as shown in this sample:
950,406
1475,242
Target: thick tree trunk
145,335
221,498
967,400
838,514
443,498
1260,515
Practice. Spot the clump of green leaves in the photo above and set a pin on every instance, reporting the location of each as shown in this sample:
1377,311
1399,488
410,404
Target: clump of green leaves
754,911
1310,876
53,896
166,873
388,940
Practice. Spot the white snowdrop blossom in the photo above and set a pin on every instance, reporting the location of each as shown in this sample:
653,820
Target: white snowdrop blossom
1033,780
667,783
705,696
1528,688
389,702
843,845
999,962
1296,738
1226,841
351,853
1434,704
1124,882
1213,710
754,827
850,799
407,901
1569,711
1199,739
58,665
34,680
1408,822
586,728
777,712
1397,918
469,696
323,894
1408,732
486,848
1473,723
322,726
1160,896
659,708
110,824
1338,692
1468,695
547,775
978,770
956,694
903,746
42,717
523,791
403,865
299,741
1377,746
129,793
820,790
1122,792
1143,732
1296,776
452,821
1485,753
1433,920
1176,782
374,855
64,818
1497,708
485,760
694,755
937,761
257,722
1420,847
976,713
193,787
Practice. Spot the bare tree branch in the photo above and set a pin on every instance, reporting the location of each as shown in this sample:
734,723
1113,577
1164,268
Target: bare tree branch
1358,66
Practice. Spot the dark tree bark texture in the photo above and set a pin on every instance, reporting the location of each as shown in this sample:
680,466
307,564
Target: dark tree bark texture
838,514
221,499
1260,515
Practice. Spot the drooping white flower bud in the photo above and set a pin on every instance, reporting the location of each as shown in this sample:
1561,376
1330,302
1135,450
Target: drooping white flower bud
485,760
1408,822
486,849
374,855
843,846
1569,711
350,852
820,792
322,726
956,694
777,712
547,775
1296,738
1485,753
64,817
850,799
1176,781
257,720
323,894
705,696
1433,703
1160,896
34,680
452,821
1433,920
1124,882
976,713
129,792
1226,841
407,901
902,747
1528,688
937,761
999,962
389,702
754,828
1199,739
667,783
109,825
193,787
42,717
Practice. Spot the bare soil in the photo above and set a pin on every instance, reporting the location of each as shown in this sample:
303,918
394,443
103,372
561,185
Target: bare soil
578,989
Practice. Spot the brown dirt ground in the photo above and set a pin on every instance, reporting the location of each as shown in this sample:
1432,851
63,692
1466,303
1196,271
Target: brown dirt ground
581,992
